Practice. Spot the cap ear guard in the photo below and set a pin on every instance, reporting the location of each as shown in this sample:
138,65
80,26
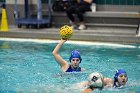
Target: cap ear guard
116,76
115,79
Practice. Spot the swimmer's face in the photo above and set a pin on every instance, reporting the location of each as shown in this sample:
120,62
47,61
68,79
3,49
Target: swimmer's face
122,79
75,62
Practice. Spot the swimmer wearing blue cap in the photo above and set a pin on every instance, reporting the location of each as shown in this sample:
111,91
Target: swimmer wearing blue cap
75,59
97,81
120,78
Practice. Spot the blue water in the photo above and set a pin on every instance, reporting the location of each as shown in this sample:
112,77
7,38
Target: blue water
29,67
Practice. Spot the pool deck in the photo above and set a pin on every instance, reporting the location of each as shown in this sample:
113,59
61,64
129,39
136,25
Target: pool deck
106,34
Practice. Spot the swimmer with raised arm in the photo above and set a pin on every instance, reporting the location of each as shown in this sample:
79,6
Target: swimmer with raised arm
75,59
97,81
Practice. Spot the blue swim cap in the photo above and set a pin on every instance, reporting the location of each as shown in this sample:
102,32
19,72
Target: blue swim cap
118,72
75,54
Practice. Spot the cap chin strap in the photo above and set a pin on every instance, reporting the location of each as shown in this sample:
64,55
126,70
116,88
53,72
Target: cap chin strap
116,85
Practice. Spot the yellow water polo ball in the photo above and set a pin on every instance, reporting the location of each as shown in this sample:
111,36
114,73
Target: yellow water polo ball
66,32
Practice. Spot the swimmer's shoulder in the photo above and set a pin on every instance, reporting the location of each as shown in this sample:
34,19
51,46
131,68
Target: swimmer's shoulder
108,82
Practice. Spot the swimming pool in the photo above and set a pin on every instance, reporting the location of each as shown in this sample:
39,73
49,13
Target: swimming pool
27,66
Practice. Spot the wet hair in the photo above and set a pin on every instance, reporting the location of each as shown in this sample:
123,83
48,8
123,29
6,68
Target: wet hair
75,54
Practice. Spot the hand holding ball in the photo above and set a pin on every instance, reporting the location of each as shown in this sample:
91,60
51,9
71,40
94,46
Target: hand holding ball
66,32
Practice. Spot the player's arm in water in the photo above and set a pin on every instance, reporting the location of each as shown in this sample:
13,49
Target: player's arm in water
88,90
106,83
63,63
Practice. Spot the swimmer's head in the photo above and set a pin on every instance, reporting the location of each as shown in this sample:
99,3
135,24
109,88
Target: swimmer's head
75,54
120,77
95,80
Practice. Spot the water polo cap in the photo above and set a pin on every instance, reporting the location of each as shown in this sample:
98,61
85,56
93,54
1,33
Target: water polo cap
95,80
118,72
75,54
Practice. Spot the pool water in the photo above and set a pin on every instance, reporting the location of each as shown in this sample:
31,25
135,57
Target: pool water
29,67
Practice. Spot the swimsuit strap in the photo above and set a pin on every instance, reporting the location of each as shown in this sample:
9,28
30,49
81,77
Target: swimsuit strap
70,69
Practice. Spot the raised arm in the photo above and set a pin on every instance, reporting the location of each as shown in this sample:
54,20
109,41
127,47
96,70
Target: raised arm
63,63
